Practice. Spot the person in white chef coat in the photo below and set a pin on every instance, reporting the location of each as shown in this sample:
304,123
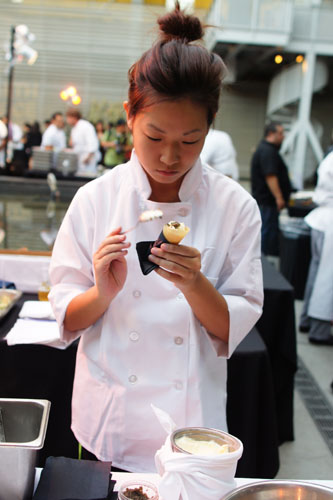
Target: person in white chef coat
317,313
54,137
164,338
84,142
219,153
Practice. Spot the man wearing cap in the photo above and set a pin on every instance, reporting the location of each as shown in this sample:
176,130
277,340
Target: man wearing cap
117,143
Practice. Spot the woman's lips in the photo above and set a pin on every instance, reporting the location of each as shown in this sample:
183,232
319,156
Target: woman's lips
167,173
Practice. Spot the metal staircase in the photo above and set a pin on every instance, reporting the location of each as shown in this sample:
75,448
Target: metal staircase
284,95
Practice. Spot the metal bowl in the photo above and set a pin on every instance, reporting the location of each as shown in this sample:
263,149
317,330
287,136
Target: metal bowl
205,434
286,490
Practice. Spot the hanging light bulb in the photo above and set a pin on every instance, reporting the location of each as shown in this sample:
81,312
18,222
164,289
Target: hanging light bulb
64,95
71,91
299,59
278,59
76,99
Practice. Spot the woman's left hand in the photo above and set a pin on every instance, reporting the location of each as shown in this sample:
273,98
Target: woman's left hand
178,263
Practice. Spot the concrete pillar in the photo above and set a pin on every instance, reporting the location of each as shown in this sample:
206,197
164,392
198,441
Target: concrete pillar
304,110
304,115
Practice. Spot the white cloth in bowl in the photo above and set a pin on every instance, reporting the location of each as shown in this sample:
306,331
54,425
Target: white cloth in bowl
193,477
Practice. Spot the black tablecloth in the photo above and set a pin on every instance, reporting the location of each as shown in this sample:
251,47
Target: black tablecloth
251,412
300,208
277,328
295,257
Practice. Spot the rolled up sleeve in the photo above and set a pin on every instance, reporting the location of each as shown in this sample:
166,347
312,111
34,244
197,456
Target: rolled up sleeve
241,281
71,271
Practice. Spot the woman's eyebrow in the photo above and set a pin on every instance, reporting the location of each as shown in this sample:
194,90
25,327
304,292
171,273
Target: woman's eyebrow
192,131
151,125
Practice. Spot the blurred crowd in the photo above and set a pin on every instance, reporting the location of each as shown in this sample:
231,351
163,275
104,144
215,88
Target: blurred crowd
96,145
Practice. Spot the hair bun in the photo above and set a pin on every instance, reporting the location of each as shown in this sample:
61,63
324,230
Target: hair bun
177,25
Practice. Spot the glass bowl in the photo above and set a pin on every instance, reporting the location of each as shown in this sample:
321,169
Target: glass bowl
149,490
206,434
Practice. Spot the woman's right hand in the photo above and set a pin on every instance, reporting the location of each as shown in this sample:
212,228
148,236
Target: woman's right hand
110,264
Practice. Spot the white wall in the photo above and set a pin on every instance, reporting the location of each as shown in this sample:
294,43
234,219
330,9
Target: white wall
242,115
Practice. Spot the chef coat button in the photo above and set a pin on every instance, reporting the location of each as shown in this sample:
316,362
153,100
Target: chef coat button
136,294
179,340
133,379
134,336
183,212
178,385
180,296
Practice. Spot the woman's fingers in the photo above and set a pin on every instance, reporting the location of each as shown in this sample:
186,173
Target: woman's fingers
111,248
108,258
187,259
178,250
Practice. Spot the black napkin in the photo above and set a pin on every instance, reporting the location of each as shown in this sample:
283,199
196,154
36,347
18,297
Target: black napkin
69,479
143,249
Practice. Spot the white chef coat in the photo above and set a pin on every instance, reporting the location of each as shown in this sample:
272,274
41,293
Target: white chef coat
15,143
219,153
321,219
55,137
85,141
148,347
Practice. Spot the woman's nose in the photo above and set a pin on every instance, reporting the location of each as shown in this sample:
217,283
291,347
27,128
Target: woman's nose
170,155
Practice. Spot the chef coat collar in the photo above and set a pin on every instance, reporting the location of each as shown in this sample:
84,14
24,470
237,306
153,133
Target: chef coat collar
190,184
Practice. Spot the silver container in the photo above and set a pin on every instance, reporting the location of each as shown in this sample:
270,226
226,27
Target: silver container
286,490
23,429
206,434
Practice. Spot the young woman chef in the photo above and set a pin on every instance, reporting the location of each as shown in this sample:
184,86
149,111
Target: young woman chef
162,338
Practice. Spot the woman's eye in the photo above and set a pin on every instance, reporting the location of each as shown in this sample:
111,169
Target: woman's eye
153,138
192,142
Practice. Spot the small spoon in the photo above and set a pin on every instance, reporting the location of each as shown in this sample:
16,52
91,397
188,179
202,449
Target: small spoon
146,216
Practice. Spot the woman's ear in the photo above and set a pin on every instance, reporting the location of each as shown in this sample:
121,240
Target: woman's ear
127,111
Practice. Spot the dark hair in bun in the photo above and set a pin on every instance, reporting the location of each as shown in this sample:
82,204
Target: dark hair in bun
177,25
176,68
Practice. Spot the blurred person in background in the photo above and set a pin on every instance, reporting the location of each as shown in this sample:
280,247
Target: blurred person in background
3,136
47,123
270,185
84,142
14,139
116,142
100,130
54,138
219,153
317,313
32,137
